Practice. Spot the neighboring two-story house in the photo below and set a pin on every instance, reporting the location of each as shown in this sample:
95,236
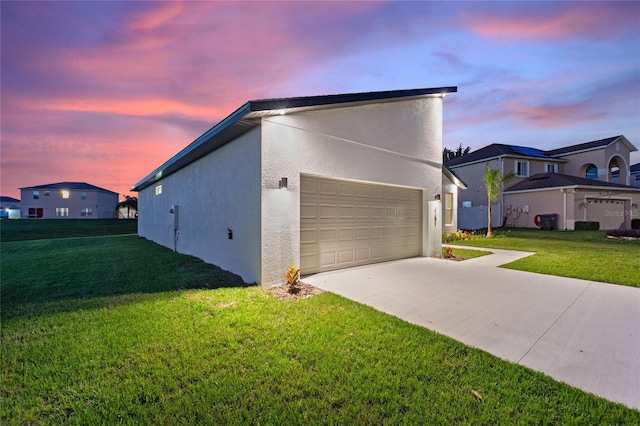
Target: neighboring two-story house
68,200
584,182
635,175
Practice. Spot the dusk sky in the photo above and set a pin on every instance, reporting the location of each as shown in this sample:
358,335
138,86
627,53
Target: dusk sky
105,92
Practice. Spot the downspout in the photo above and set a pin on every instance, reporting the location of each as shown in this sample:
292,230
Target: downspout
501,193
564,207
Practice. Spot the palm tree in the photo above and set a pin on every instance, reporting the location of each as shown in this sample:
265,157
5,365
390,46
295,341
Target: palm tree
130,203
493,180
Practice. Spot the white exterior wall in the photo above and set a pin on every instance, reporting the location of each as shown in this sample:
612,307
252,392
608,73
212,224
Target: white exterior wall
396,143
220,191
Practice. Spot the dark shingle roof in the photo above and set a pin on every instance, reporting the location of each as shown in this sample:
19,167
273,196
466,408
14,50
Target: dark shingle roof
583,146
499,150
4,199
78,186
553,180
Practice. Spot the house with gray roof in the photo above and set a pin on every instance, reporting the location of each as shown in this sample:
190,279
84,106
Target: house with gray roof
68,200
635,175
584,182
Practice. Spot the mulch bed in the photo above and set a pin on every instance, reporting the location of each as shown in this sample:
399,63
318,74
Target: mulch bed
300,291
452,257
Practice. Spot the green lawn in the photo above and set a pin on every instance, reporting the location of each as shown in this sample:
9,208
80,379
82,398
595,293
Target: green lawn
35,229
119,331
588,255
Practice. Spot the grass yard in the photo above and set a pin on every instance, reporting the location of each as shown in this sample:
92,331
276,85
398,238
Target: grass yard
36,229
135,333
588,255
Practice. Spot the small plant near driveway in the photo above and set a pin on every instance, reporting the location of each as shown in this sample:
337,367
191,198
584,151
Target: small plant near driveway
293,278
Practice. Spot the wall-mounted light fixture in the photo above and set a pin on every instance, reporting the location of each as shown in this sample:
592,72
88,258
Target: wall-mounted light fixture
437,197
283,184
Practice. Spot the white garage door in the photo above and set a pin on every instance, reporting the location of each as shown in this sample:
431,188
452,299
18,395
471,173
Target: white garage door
344,224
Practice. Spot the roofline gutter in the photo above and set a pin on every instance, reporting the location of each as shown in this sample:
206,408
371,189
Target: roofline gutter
583,187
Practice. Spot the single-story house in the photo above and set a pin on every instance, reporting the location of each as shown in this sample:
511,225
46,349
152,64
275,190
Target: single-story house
68,200
322,182
572,199
9,207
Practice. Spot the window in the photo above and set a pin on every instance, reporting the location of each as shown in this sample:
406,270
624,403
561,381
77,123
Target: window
62,211
83,195
466,204
552,168
448,208
65,193
522,168
36,213
591,172
36,195
47,193
158,189
86,211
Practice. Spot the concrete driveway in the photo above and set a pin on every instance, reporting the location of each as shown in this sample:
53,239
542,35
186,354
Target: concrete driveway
583,333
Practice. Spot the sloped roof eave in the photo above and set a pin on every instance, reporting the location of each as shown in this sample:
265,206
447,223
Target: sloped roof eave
243,120
453,178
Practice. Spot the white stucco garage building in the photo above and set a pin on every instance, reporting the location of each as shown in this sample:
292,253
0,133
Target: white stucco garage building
363,179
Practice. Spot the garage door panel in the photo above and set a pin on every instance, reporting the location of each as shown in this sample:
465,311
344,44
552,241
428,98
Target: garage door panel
327,187
363,255
346,211
328,235
346,224
345,256
346,234
328,211
328,259
377,232
308,236
308,211
308,261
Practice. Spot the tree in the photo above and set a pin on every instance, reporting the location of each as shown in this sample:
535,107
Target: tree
450,154
493,181
131,203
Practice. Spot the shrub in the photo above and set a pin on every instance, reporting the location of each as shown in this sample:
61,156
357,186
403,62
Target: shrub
635,223
587,226
624,233
449,237
292,277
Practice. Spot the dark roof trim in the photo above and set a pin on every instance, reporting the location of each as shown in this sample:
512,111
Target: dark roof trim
494,151
546,181
315,101
81,186
244,119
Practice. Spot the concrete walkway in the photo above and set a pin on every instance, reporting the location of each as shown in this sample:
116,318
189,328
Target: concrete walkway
584,333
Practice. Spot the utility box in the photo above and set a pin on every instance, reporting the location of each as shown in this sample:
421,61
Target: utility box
549,221
174,211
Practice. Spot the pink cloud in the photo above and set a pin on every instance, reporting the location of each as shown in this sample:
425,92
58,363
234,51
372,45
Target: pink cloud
553,116
549,21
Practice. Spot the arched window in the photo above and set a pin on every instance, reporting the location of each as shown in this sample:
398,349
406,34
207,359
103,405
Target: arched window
591,172
614,171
